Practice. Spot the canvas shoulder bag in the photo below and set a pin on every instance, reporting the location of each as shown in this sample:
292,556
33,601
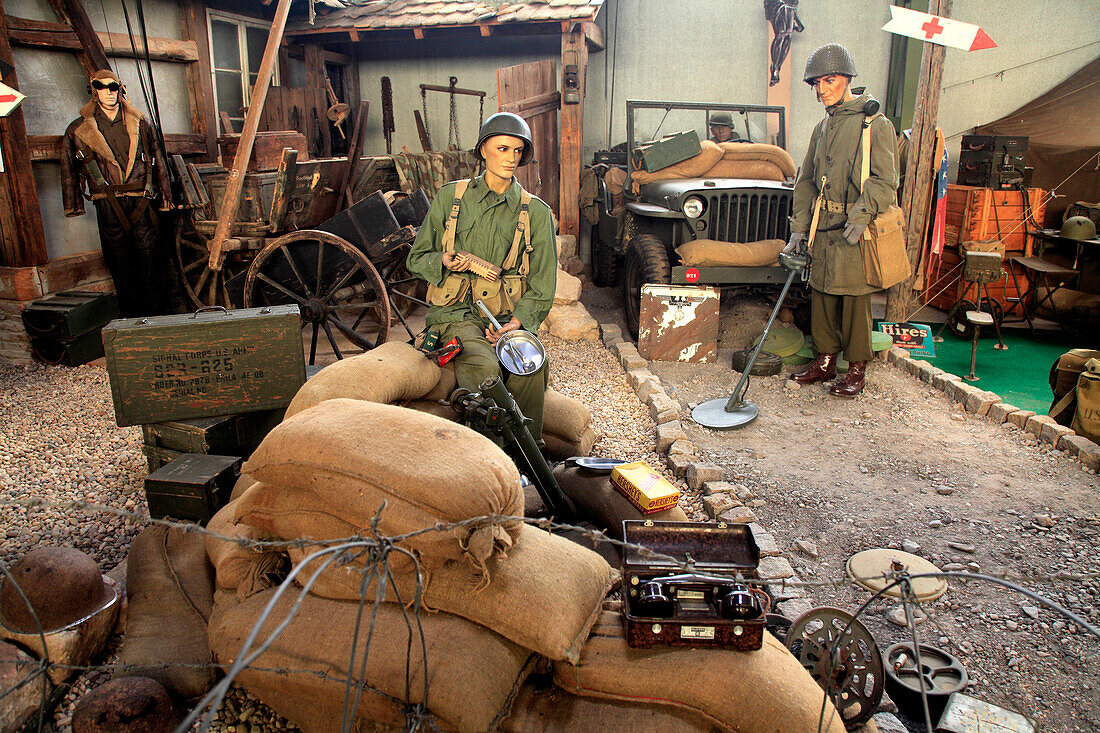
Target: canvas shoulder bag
1086,418
885,261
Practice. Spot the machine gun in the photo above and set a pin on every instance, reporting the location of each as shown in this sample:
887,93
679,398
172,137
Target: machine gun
494,411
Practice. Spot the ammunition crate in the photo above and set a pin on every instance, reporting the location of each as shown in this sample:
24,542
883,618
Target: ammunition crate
1004,144
203,365
191,487
228,435
68,314
669,150
70,352
156,457
970,158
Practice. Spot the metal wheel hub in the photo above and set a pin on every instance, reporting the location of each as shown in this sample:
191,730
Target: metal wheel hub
313,310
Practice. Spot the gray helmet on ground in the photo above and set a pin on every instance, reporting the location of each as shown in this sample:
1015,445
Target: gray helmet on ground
832,58
506,123
721,118
1078,228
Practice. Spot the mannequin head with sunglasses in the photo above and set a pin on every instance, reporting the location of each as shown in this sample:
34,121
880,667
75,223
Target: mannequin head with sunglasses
106,89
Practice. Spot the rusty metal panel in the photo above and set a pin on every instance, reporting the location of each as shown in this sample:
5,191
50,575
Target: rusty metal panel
678,323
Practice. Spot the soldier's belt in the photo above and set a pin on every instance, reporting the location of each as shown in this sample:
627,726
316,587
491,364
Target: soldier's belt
837,207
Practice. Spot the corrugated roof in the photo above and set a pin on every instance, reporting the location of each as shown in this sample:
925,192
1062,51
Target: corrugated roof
389,14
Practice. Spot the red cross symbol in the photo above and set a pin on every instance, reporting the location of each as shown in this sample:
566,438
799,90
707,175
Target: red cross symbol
932,27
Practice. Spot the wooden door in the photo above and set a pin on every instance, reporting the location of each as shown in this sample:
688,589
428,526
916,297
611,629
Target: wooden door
531,91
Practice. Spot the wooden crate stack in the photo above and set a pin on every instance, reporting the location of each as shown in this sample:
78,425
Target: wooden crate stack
983,214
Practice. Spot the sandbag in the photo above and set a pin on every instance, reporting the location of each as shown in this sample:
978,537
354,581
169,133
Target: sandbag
545,595
564,415
392,371
1070,303
170,586
764,691
598,501
694,167
244,482
473,673
763,170
346,457
240,568
712,253
760,151
433,408
446,384
544,708
558,447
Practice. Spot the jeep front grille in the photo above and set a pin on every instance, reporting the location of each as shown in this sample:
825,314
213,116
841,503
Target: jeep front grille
749,217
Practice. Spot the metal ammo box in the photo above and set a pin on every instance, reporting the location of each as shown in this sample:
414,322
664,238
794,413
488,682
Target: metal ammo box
209,363
669,150
721,554
192,486
65,327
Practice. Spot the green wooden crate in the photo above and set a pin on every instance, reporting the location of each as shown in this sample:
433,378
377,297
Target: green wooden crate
227,435
156,457
192,486
669,150
68,314
204,364
70,352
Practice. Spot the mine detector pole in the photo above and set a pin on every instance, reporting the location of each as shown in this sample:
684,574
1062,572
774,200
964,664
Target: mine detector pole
235,182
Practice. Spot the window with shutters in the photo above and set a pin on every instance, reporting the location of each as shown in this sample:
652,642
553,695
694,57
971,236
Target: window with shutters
236,49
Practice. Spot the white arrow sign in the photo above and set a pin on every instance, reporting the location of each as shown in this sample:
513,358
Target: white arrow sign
934,29
9,99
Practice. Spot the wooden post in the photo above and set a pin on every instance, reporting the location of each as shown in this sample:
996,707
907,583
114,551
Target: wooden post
22,240
919,165
574,50
72,12
235,181
200,84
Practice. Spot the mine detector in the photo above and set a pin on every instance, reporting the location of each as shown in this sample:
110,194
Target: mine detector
634,240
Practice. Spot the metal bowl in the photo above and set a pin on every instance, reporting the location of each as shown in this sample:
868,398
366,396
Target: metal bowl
521,353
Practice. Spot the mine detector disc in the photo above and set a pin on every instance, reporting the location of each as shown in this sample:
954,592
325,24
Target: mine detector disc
874,570
853,677
334,285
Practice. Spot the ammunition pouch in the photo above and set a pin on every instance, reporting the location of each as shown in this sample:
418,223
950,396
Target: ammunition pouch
501,295
454,289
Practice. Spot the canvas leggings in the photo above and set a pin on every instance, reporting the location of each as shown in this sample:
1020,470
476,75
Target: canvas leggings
478,361
841,323
136,259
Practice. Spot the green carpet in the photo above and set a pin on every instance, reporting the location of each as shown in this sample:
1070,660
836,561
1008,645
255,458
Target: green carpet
1019,375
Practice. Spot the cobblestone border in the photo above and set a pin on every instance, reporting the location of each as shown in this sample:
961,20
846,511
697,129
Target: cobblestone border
987,404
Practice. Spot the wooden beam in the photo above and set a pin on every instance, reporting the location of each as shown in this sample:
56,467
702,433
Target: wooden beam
354,34
48,147
29,283
418,34
26,32
422,131
59,36
486,30
200,84
574,50
160,49
535,105
593,36
93,56
918,170
22,241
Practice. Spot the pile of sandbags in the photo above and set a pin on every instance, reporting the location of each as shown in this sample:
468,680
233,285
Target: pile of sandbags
726,160
713,253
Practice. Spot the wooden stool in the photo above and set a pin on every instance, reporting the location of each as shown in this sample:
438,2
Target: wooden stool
977,319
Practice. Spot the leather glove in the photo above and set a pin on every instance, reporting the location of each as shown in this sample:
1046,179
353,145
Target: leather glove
853,232
796,244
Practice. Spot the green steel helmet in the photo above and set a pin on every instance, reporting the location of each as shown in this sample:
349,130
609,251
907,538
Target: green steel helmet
1078,228
721,118
832,58
506,123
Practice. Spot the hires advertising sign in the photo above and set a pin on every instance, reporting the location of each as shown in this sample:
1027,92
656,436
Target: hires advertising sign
914,337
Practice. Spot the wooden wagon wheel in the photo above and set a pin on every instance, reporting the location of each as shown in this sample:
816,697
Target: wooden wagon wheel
333,284
203,286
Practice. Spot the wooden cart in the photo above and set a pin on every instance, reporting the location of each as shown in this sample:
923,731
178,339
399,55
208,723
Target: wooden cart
278,251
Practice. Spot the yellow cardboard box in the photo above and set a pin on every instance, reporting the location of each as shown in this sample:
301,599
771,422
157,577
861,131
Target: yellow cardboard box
645,488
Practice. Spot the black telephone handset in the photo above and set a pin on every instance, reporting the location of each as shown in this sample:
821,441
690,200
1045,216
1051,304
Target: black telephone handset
694,594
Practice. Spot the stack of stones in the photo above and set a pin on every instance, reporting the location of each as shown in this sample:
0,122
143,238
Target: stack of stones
568,319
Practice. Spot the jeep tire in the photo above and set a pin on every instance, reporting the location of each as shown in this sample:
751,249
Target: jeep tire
605,261
646,262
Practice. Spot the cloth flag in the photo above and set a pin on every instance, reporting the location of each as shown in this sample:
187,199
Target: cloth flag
939,225
936,29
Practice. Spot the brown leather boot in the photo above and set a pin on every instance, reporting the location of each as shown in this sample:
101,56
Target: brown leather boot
851,383
822,368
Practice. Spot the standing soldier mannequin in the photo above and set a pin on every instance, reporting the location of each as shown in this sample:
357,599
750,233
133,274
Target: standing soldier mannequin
109,157
841,297
493,218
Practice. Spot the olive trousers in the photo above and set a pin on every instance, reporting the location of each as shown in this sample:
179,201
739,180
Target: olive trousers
841,323
478,361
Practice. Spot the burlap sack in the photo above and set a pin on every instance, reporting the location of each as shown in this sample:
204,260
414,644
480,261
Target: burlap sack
240,568
598,501
433,408
346,457
446,384
558,447
694,167
614,179
760,151
170,586
544,596
393,371
761,691
711,253
565,416
473,674
543,708
763,170
244,482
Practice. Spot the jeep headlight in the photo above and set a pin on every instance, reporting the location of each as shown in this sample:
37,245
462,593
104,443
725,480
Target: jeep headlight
693,207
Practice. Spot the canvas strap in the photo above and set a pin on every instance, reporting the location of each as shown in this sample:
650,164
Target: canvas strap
523,231
452,220
817,214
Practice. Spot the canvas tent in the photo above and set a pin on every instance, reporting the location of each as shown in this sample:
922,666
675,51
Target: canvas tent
1064,139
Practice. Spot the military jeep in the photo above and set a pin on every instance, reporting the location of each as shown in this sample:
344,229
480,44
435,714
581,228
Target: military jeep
635,238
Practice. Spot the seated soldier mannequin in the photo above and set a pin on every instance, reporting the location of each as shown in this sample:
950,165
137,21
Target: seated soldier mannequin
721,128
108,155
493,218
